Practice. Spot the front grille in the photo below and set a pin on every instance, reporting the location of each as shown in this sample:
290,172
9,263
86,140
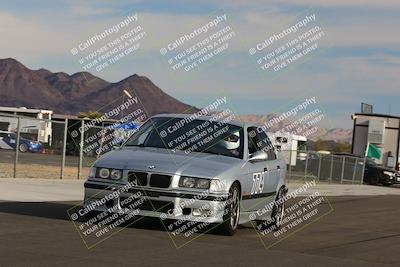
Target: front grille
139,177
160,180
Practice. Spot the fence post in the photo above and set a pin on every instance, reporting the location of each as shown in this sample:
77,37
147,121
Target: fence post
341,178
363,170
319,166
290,165
354,170
64,149
305,168
330,176
17,147
81,148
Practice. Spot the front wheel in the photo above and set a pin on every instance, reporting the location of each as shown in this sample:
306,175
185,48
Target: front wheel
278,210
231,212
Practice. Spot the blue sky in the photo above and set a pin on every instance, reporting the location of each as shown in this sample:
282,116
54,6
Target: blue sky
358,62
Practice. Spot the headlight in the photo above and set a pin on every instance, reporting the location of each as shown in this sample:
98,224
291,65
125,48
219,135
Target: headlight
187,182
104,173
116,174
203,183
191,182
388,173
216,186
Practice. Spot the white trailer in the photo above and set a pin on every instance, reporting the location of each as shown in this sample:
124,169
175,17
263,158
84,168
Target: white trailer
33,121
291,147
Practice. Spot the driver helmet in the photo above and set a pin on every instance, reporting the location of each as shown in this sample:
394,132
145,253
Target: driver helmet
232,141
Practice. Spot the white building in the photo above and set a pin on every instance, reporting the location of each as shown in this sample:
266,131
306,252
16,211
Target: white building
381,130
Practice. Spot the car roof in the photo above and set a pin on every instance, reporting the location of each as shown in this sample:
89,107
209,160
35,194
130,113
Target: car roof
202,117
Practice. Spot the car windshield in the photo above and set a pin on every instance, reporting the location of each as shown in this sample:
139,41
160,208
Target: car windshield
186,135
370,161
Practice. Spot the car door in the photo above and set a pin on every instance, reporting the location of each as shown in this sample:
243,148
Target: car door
273,164
263,175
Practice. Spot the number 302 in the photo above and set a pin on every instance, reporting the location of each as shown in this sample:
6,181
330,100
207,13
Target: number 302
258,183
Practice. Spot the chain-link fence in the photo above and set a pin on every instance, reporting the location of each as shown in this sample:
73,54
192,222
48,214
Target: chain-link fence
325,167
42,148
65,149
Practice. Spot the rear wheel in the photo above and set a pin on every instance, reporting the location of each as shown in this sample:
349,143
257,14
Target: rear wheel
231,212
23,147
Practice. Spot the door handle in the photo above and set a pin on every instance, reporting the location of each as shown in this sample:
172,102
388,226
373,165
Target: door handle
278,167
265,169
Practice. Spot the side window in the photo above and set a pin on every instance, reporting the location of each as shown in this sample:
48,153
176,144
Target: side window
251,132
271,152
258,140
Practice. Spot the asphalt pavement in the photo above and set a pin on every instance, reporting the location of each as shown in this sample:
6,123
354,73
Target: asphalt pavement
360,231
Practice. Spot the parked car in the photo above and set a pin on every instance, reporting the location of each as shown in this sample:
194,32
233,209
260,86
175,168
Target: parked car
235,174
8,140
376,174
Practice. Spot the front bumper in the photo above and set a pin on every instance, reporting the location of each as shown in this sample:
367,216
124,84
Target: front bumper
34,148
390,179
395,179
153,202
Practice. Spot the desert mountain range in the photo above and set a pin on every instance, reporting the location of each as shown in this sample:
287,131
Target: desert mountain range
82,92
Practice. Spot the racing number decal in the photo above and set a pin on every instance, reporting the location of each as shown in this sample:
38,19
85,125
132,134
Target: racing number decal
258,183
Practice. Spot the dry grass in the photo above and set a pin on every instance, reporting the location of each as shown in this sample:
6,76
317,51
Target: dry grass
40,171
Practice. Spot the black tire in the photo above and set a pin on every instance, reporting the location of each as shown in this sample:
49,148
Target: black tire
23,148
92,214
278,211
231,212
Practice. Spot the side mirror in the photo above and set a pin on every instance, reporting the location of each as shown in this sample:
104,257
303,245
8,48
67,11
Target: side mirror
258,156
115,147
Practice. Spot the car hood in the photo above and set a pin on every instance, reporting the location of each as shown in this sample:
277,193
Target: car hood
164,161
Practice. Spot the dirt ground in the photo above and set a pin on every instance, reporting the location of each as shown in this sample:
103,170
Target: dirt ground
40,171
